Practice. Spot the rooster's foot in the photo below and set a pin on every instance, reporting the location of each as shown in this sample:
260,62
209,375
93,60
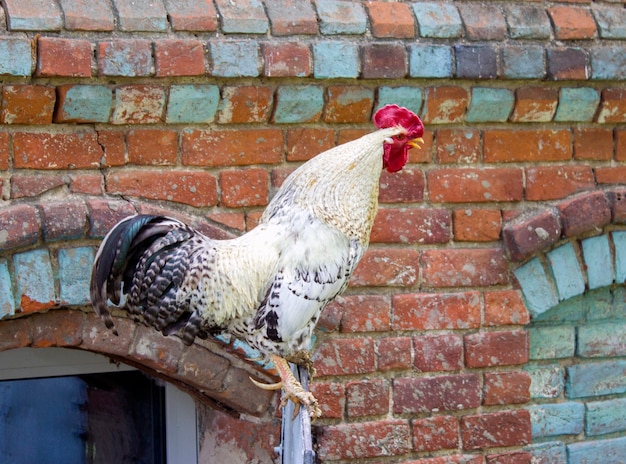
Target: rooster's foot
303,358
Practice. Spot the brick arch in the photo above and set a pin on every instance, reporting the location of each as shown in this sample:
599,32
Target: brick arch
45,257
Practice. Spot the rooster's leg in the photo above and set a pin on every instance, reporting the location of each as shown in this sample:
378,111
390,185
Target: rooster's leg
303,358
292,389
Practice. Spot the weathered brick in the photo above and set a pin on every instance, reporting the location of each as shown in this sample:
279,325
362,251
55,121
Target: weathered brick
393,353
125,57
347,104
88,15
506,388
612,106
240,188
603,377
179,57
438,352
156,147
289,59
58,328
298,104
617,199
96,338
335,59
112,142
16,56
341,17
602,340
290,17
383,61
604,417
490,105
572,23
525,237
33,15
192,15
435,433
458,146
391,20
406,186
609,451
5,142
545,453
83,103
550,420
367,397
535,104
527,21
138,104
438,20
34,185
387,267
476,61
78,150
577,104
15,333
523,62
515,457
440,393
195,188
611,21
190,103
565,63
391,437
27,104
156,351
445,104
331,397
552,342
73,280
505,307
424,226
464,185
244,17
430,61
345,356
593,143
104,214
436,311
505,428
464,267
63,57
584,212
7,303
503,145
19,226
477,225
483,22
363,313
231,148
488,349
607,63
63,220
35,281
305,143
134,16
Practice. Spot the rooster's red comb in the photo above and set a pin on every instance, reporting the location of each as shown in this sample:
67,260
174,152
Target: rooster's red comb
394,115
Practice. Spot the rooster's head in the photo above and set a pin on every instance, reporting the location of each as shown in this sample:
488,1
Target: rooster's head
396,148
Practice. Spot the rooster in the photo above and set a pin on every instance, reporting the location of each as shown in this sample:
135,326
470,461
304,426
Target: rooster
268,286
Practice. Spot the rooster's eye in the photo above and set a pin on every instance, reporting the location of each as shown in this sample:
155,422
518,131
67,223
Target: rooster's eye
400,137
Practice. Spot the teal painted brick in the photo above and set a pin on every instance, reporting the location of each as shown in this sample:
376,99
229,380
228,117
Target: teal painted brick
33,270
600,304
74,275
192,104
523,62
341,17
598,452
247,18
7,300
550,420
335,59
572,310
611,22
577,104
553,452
598,261
566,271
602,340
409,97
438,20
608,63
527,21
538,291
16,57
552,342
298,104
619,303
596,378
29,15
429,61
235,59
87,103
619,242
606,416
490,105
546,381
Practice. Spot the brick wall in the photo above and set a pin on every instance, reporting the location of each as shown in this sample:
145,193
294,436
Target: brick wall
200,108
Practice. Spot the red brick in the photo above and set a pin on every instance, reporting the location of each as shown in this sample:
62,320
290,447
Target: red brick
245,104
15,333
363,313
567,63
458,146
104,214
19,225
440,393
555,182
305,143
179,57
27,104
506,388
612,106
489,349
61,328
535,104
156,147
387,267
438,352
436,311
406,186
112,142
435,433
367,398
331,397
232,220
348,104
505,145
463,185
617,199
64,220
195,188
414,225
391,437
610,174
445,105
78,150
592,143
88,15
525,237
620,145
348,135
464,267
231,148
391,20
515,457
289,59
63,57
240,188
477,225
34,185
572,23
394,353
5,142
192,15
505,307
383,61
138,104
452,459
278,175
345,356
156,351
590,211
89,184
505,428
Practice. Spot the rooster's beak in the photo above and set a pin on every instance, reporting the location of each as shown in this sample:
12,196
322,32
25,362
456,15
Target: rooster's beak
414,143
